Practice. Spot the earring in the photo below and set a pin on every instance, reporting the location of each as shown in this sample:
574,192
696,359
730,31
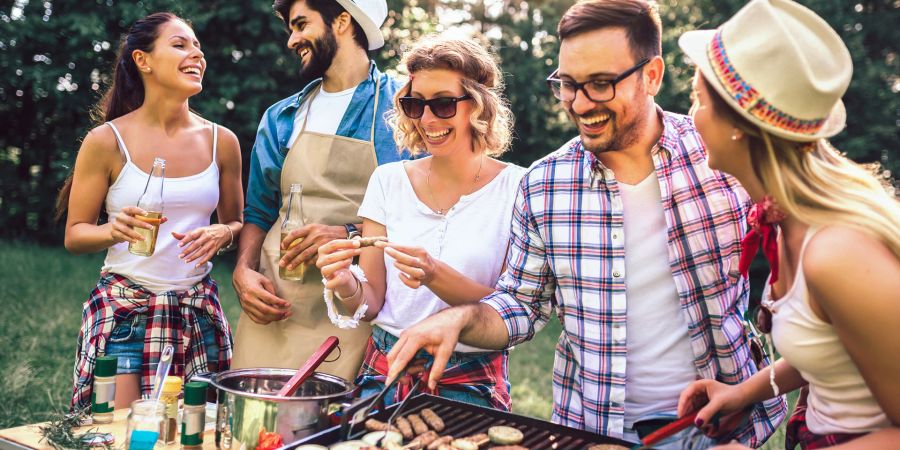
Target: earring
146,70
734,136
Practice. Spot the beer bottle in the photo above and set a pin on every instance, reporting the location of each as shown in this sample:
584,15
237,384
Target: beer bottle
293,219
152,202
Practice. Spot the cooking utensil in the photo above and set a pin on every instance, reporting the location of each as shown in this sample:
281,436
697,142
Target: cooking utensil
668,430
162,370
248,402
308,367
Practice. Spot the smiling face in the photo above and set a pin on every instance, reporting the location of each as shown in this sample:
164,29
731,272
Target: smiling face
442,136
176,61
601,55
312,40
724,150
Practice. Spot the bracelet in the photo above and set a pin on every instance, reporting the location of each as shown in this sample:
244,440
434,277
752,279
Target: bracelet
338,319
230,241
358,288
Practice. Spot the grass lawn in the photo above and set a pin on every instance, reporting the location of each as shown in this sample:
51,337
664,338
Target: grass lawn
41,293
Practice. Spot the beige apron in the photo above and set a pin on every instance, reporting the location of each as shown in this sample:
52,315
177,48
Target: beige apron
334,172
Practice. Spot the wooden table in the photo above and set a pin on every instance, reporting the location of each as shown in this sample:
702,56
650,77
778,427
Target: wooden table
28,437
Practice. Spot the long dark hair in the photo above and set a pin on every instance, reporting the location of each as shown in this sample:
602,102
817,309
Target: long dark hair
126,92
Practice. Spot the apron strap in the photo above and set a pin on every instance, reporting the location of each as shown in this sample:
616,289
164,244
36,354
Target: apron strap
310,98
375,110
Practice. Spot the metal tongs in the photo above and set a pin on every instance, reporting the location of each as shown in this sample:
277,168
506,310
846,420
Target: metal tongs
359,411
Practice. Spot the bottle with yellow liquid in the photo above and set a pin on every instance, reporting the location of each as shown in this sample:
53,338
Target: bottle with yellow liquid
152,202
293,219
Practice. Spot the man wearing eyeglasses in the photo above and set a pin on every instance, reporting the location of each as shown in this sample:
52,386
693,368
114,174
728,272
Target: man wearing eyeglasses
633,239
329,138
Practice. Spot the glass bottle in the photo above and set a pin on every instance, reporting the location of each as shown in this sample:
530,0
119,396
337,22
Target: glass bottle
152,202
293,219
171,390
193,422
146,423
103,395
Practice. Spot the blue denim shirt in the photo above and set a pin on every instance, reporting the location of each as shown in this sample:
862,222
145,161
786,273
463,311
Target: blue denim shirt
277,124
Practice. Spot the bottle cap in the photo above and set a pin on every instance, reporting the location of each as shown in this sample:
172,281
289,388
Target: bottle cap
195,393
106,366
172,385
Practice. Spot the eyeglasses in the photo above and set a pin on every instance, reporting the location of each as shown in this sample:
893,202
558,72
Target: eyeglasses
597,91
443,107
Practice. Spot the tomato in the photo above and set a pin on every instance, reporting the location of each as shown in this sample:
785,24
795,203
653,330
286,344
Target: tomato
269,440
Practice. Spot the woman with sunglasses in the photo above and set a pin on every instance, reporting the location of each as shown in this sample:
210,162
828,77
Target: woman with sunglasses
446,218
830,230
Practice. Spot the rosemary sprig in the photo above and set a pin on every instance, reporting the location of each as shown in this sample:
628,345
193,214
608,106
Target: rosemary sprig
60,434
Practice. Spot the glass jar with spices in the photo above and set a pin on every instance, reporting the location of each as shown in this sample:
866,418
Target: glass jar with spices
103,395
171,390
146,423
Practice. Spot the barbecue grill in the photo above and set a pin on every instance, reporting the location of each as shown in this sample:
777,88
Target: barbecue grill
463,419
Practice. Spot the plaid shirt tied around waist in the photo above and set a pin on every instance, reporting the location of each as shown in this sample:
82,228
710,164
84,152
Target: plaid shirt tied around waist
171,320
485,376
567,251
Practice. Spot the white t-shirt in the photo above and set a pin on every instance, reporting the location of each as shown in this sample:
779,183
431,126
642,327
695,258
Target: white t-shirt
328,110
472,238
659,364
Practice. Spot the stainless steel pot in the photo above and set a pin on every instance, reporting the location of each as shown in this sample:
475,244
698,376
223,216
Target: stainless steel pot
247,403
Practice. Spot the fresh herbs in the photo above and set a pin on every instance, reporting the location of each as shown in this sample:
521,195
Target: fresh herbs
60,433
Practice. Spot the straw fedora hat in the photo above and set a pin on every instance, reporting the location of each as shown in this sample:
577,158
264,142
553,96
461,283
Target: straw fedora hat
779,65
370,15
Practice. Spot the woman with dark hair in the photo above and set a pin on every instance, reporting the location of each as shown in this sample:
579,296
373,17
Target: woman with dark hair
143,303
766,101
446,217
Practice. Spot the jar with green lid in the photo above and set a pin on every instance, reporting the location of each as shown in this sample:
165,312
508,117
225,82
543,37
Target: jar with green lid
193,420
103,395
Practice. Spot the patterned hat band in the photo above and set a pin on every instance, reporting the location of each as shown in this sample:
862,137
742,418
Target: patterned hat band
749,98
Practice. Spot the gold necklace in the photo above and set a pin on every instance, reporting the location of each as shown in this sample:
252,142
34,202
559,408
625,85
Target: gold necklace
440,210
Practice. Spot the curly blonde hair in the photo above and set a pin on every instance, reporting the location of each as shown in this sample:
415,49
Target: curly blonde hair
491,118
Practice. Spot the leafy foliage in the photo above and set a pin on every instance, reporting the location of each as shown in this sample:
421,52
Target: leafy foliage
56,57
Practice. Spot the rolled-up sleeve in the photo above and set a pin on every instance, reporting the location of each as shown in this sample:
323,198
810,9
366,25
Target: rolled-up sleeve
524,293
264,185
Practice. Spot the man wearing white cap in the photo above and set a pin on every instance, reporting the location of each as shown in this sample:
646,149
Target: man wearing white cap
329,137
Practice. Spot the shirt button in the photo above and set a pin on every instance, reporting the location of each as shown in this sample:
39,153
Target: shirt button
617,274
615,236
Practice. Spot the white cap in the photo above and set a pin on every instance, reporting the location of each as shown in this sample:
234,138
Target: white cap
370,14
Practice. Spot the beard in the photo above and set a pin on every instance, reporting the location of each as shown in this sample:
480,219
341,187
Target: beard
621,132
322,52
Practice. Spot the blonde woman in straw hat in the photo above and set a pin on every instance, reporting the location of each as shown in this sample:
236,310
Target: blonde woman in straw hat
766,99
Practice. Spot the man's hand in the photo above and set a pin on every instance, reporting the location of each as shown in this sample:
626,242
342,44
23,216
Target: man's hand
257,296
312,237
437,334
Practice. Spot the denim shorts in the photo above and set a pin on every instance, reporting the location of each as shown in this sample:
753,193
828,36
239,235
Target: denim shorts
127,342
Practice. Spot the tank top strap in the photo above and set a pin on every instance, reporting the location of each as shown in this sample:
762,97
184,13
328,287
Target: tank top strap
215,133
120,142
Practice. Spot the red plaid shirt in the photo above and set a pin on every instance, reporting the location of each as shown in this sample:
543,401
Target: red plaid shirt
171,320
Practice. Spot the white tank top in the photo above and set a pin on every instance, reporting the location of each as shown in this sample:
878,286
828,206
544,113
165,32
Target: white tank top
188,204
839,400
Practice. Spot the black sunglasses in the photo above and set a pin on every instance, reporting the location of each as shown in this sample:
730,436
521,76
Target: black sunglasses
443,107
597,91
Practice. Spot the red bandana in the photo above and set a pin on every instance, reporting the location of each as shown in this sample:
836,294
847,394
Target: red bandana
763,217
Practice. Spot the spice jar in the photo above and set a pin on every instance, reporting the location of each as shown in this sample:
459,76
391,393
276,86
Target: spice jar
146,423
103,395
193,421
171,390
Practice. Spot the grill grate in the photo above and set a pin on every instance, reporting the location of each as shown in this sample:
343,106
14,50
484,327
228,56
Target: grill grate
463,419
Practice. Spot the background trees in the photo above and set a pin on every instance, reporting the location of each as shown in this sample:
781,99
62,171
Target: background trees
56,56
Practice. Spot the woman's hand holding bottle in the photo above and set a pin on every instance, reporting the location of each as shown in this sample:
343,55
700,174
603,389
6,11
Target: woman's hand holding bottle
123,224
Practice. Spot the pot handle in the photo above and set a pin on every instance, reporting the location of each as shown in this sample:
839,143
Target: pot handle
205,377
